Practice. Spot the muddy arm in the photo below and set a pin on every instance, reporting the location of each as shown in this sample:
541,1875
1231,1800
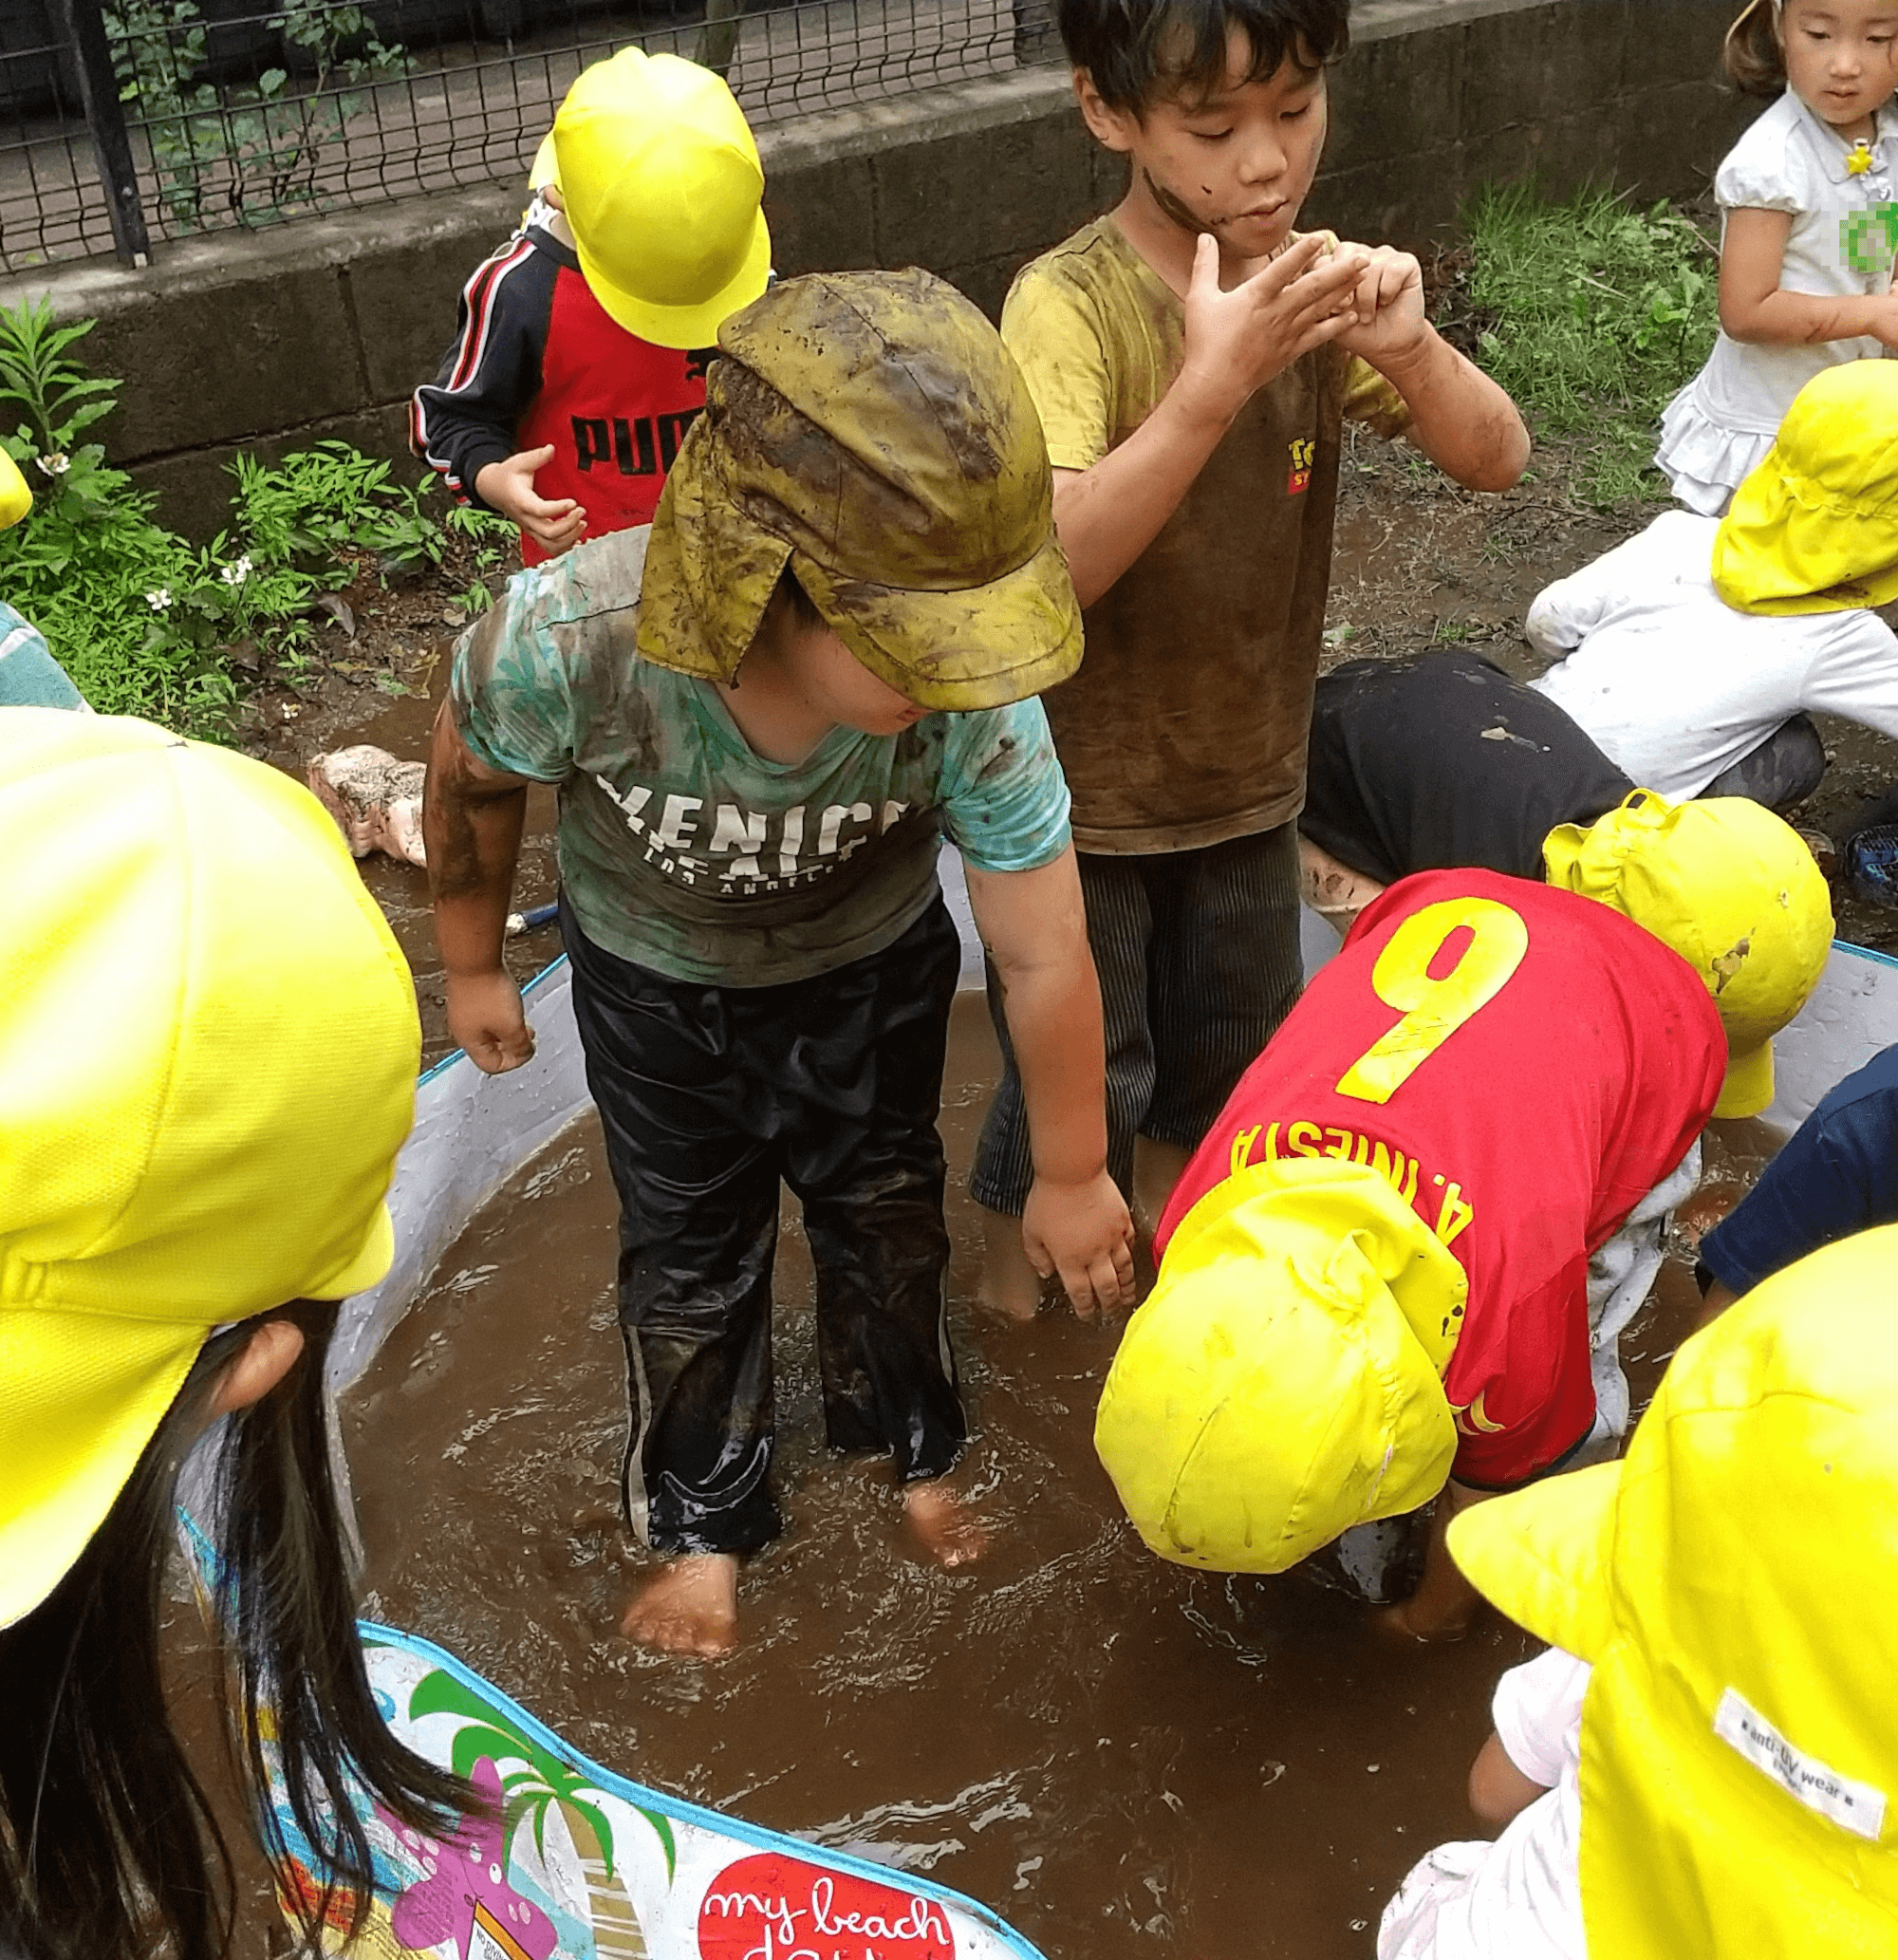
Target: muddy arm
471,818
1076,1223
1444,1601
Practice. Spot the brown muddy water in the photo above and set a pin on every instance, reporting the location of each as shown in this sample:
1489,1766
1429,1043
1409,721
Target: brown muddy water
1119,1755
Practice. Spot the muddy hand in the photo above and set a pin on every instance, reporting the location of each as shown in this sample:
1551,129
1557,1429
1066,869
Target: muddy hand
1239,341
485,1018
1387,303
1084,1234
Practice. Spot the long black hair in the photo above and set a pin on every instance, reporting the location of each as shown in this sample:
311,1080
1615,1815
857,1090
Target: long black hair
108,1847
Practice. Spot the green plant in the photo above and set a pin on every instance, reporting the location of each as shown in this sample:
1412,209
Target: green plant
1596,314
258,145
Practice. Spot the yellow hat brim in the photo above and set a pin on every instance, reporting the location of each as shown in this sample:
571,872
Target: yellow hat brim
977,647
1748,1088
685,327
83,1394
1542,1555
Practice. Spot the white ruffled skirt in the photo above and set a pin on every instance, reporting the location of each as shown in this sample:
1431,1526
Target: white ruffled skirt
1704,461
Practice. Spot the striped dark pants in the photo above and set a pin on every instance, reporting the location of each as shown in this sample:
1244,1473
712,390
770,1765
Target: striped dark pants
1197,955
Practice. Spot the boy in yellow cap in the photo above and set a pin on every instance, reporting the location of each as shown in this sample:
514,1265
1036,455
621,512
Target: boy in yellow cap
207,1066
579,360
1375,1274
1684,649
1712,1722
762,715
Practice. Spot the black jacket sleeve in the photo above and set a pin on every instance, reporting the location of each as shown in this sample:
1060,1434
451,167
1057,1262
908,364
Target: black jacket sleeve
465,419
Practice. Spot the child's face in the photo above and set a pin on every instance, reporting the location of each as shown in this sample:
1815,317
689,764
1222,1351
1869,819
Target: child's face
1236,161
1841,58
838,685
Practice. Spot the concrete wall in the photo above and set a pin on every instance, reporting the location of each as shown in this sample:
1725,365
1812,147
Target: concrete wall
269,339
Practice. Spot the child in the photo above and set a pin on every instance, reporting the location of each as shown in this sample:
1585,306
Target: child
571,379
1806,259
746,715
207,1065
1441,760
1688,646
1838,1175
1712,1724
1192,358
1374,1272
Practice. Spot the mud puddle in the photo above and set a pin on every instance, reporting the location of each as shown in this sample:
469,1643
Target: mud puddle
1107,1749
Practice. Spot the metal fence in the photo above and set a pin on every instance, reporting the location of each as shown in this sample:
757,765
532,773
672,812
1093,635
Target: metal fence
127,124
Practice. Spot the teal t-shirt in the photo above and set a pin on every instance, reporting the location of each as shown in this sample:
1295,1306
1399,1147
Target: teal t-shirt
684,850
29,676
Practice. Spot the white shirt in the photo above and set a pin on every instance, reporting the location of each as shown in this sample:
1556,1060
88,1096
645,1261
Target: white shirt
1790,161
1672,684
1521,1897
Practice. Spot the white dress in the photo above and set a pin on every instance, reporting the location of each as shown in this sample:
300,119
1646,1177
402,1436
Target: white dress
1521,1897
1672,684
1722,423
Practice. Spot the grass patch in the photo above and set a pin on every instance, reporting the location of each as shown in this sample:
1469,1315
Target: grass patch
1592,314
147,623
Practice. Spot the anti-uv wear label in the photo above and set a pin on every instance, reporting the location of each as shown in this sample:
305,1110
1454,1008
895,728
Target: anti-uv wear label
1853,1806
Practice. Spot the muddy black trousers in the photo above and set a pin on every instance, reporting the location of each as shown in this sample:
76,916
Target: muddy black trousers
709,1097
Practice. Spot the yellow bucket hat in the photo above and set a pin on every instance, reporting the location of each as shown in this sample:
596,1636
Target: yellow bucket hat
1733,1581
1284,1379
1814,527
207,1066
1734,891
869,430
661,182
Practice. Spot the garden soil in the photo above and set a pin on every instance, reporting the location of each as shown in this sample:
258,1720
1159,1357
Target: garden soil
1107,1749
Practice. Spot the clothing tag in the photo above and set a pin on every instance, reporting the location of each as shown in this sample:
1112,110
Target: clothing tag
1854,1808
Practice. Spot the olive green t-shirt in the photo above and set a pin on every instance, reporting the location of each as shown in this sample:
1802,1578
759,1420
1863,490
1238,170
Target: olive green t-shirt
1187,721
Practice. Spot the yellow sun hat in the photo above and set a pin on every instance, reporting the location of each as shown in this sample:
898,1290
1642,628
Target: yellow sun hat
1732,1582
870,431
1283,1381
1734,890
207,1066
1815,525
660,183
16,499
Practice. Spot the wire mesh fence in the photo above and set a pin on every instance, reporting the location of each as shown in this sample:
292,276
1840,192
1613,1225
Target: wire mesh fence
157,119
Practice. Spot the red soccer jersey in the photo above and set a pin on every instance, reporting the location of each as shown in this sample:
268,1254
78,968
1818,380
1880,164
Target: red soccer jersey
1524,1066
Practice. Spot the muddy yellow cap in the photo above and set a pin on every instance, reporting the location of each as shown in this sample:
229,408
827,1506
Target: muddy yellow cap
16,499
207,1066
869,430
1734,890
1814,527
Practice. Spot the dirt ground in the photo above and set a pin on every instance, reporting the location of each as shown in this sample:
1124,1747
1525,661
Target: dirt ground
1418,562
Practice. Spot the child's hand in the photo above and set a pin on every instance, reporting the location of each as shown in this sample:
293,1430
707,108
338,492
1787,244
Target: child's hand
485,1018
509,488
1392,323
1239,341
1085,1234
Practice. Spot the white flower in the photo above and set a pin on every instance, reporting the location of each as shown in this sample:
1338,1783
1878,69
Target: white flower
54,465
234,575
159,599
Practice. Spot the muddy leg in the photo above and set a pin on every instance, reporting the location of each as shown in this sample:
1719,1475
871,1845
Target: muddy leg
1010,1287
941,1524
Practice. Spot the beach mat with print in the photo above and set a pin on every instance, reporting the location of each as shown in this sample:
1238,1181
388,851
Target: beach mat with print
580,1863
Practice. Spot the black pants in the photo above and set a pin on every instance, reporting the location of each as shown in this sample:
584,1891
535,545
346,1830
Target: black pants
709,1095
1198,962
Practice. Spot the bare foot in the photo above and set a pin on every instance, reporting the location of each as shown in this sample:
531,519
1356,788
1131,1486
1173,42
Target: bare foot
688,1606
1010,1286
944,1526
